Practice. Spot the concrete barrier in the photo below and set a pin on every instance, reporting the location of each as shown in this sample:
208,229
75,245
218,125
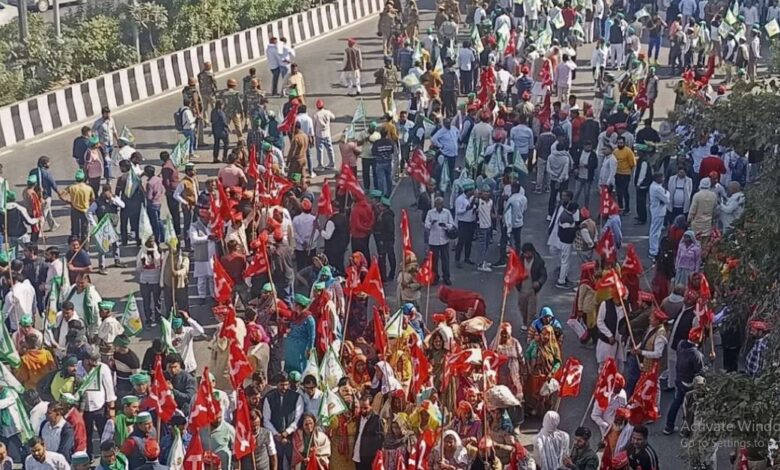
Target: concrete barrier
45,113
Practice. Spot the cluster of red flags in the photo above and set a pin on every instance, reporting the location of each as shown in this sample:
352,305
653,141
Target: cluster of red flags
643,404
347,183
608,205
421,368
611,281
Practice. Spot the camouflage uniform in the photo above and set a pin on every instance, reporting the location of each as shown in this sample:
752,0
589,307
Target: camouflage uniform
385,28
452,7
208,88
252,102
412,22
234,110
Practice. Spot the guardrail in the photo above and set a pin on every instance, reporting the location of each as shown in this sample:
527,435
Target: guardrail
45,113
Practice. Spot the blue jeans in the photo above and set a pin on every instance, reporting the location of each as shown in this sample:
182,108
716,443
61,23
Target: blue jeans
190,134
328,144
654,44
680,391
153,211
632,374
384,176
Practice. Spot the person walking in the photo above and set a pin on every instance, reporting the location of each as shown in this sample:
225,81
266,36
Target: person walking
207,85
322,135
220,131
353,64
466,218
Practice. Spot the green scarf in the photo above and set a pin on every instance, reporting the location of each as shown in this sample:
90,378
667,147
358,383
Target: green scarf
122,425
5,415
119,464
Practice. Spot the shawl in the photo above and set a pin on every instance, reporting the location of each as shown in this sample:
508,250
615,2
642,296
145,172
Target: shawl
387,382
551,444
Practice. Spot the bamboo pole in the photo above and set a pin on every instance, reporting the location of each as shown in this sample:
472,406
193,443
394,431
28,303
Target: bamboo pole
503,305
427,304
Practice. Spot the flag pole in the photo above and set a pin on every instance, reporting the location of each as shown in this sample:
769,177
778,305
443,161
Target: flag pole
587,408
346,324
503,305
628,323
427,304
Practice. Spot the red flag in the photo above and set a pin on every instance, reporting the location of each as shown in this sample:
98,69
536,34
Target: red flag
244,443
253,169
515,270
313,463
322,314
216,225
570,377
704,313
224,202
421,368
605,247
406,235
193,459
605,385
607,203
744,462
240,368
258,264
205,409
545,114
352,281
229,328
379,462
347,182
705,293
606,458
274,193
418,457
160,393
632,264
643,404
425,273
380,335
611,281
511,44
288,125
324,204
372,284
417,167
223,284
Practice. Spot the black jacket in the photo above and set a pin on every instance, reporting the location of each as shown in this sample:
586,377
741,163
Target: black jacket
538,272
690,361
371,439
593,163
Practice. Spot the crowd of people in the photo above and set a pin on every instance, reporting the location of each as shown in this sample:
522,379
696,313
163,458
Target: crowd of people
311,364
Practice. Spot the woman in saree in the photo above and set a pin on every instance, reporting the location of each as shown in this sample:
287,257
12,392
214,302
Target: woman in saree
358,372
357,321
383,384
343,430
310,442
513,371
399,442
544,359
436,350
395,405
466,423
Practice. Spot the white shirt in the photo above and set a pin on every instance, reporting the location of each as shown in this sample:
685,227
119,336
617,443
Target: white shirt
52,461
38,415
437,235
479,15
96,399
272,56
484,212
503,20
608,170
291,428
462,212
466,57
356,452
504,79
305,230
188,118
605,418
514,209
183,343
312,404
307,125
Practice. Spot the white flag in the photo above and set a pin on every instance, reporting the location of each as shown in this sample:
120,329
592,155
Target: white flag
144,226
331,406
395,325
104,234
331,370
131,318
176,454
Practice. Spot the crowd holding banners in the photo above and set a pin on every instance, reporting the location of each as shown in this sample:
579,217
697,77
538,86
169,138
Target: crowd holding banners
312,365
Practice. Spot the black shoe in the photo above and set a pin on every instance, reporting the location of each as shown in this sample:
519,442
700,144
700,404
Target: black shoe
667,431
468,261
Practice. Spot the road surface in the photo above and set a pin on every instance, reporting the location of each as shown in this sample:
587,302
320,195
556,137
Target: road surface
319,62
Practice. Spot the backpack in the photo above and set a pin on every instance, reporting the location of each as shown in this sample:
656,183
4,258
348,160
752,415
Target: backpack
178,119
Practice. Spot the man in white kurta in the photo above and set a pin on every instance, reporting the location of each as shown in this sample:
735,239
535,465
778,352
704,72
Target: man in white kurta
605,417
85,300
19,301
183,336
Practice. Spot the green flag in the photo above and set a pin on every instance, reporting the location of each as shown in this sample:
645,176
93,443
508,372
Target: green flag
395,325
144,226
444,179
91,382
9,380
428,126
167,333
133,183
8,352
169,234
180,153
127,135
331,370
104,235
3,198
360,113
476,40
131,318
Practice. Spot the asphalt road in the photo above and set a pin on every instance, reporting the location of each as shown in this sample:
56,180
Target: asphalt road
319,62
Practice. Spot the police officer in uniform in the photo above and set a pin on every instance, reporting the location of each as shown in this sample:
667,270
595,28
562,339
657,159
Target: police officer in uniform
208,89
234,108
253,100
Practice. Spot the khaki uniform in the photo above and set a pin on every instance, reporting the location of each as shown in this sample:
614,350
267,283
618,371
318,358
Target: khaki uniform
233,105
412,23
208,88
387,78
385,28
453,9
192,95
